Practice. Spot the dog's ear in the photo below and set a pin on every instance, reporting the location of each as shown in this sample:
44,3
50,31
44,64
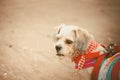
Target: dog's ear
82,38
57,30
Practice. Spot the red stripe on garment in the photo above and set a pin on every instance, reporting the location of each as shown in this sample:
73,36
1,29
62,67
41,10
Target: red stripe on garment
115,71
97,67
92,55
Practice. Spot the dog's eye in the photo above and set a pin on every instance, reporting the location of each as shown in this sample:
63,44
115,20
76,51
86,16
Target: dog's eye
68,41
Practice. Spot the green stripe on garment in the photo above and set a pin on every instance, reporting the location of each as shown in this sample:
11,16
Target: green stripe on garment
109,72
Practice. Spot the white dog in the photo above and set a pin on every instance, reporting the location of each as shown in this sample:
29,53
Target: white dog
76,43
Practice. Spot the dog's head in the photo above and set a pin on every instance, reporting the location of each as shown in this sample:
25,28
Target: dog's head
69,39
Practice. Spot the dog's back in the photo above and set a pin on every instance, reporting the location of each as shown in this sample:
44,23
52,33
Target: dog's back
110,68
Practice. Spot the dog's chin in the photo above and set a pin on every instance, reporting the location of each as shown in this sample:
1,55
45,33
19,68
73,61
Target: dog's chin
60,56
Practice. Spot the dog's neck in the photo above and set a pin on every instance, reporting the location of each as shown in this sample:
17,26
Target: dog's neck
79,59
92,46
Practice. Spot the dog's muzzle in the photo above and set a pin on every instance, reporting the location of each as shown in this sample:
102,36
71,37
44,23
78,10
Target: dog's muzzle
58,48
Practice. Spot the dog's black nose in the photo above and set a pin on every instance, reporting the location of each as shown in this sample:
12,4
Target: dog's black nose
58,48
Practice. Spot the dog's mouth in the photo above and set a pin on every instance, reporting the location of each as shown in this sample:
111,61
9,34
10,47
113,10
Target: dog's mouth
58,54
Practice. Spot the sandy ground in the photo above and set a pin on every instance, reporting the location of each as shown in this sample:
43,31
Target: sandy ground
27,28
